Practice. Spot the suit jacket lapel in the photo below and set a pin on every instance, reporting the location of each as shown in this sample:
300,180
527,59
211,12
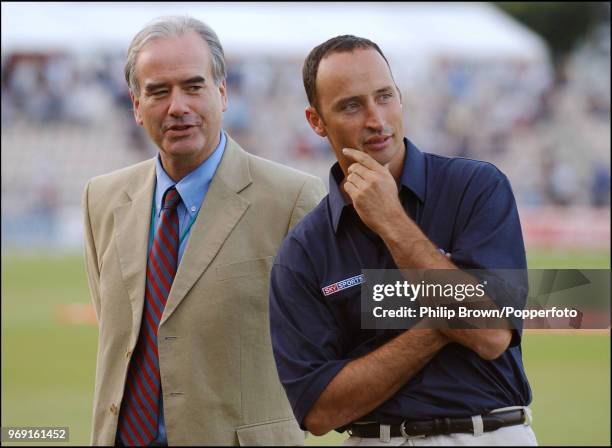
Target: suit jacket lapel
132,222
222,209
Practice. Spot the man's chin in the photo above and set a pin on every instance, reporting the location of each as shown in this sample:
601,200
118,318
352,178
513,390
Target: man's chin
382,157
388,154
177,149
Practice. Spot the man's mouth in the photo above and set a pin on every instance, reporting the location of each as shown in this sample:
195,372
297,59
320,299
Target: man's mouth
377,143
178,130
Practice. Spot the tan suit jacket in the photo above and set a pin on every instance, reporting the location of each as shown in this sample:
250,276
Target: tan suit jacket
219,381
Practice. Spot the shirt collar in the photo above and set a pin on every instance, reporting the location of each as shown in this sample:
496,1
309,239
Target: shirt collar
336,200
413,178
193,187
414,173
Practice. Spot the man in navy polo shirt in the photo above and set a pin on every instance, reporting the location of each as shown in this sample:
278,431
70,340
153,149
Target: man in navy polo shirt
392,206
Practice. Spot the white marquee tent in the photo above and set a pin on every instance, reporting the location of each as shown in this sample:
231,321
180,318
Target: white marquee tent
403,30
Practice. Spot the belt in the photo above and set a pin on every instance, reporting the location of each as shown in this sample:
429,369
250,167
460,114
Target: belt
490,422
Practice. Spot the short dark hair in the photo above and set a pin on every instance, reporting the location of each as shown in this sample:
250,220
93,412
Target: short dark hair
338,44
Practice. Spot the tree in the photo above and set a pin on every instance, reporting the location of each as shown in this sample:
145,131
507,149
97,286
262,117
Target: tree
561,24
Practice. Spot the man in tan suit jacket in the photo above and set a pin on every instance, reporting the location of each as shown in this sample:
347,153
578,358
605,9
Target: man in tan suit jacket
219,384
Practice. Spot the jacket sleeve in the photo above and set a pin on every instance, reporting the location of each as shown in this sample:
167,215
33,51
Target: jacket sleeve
91,256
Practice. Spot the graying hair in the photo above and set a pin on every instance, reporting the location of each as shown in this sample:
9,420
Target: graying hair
167,26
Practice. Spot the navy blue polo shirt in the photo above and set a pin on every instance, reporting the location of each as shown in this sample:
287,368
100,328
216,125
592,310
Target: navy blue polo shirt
465,207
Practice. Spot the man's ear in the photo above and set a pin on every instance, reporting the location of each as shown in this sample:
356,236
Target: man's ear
136,104
400,95
315,121
223,92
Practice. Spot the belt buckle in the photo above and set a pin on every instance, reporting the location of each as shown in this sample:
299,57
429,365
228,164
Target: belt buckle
407,436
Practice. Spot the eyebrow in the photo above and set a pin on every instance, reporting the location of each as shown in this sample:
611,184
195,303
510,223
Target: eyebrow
384,89
149,87
194,80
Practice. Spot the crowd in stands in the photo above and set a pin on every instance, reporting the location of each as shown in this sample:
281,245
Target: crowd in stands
549,133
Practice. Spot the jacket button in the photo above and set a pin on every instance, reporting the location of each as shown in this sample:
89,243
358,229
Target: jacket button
128,354
113,409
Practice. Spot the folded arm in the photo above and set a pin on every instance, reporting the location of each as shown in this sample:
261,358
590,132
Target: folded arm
367,382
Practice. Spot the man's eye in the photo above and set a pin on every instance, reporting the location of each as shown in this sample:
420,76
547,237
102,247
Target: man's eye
386,96
159,92
350,107
194,88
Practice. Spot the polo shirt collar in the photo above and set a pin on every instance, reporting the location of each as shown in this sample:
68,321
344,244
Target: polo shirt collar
413,178
414,174
336,200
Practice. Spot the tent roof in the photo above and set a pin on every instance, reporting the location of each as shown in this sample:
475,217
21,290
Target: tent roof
401,29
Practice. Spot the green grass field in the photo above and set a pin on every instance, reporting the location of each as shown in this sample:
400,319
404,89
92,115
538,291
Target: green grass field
48,366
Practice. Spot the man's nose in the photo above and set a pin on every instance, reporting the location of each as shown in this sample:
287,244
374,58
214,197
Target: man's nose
375,119
178,104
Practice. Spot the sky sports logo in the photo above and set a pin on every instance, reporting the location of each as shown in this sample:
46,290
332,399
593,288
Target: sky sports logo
342,284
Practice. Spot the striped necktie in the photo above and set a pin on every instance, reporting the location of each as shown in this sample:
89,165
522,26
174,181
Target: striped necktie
140,406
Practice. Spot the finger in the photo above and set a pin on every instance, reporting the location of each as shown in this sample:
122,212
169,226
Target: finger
350,189
363,158
356,180
361,170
